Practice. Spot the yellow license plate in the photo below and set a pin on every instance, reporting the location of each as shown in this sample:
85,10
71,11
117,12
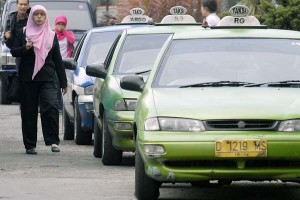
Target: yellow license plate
241,148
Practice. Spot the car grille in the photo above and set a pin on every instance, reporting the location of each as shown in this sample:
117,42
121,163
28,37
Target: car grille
241,125
232,164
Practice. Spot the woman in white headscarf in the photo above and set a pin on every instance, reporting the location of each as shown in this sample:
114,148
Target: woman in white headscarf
40,65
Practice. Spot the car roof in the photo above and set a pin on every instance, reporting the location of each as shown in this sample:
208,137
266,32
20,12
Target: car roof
238,32
168,28
119,27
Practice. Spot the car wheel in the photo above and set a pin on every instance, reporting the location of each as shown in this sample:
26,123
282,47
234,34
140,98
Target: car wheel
81,137
68,126
146,188
97,140
110,155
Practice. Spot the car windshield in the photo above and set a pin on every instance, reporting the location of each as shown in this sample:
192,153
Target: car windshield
229,62
139,53
77,13
98,47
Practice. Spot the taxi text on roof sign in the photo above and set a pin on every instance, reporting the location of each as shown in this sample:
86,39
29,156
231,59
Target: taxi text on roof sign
239,11
178,15
239,17
137,16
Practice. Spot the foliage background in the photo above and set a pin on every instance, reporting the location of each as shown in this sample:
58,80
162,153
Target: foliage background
281,14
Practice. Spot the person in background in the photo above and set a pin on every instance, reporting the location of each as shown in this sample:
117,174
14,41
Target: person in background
208,10
40,65
15,21
66,39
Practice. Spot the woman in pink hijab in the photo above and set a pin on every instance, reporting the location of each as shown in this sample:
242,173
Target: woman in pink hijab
40,66
65,37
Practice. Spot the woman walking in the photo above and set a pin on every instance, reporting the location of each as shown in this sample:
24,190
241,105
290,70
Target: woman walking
40,66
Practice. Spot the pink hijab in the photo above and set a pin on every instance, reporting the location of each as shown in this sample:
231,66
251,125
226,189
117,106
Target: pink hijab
42,38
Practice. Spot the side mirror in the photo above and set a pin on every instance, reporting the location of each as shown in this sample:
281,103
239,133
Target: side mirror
96,71
69,63
133,83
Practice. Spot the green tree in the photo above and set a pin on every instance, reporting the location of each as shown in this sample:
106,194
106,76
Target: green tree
253,5
280,14
285,16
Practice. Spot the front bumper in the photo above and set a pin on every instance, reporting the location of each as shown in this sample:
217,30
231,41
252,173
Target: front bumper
191,157
86,111
120,125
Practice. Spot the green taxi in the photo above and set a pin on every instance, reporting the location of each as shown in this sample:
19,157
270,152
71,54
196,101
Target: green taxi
134,52
221,105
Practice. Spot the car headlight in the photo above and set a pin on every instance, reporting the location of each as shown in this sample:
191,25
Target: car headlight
173,124
125,104
289,126
89,90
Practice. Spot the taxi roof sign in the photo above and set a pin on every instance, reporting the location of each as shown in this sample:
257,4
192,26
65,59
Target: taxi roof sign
137,16
178,16
239,17
239,11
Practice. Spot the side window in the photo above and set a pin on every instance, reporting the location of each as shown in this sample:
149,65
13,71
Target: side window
111,52
77,50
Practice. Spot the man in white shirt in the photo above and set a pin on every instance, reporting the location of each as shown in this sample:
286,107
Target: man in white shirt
208,10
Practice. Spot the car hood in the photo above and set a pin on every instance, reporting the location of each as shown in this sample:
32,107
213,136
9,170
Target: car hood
228,103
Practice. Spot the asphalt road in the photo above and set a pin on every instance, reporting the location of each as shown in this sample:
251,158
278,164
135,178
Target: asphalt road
75,174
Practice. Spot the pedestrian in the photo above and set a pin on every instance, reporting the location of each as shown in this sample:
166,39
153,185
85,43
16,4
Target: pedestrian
66,39
40,65
15,21
209,12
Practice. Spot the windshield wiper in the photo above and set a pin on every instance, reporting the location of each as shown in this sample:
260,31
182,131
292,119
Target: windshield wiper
217,84
286,83
142,72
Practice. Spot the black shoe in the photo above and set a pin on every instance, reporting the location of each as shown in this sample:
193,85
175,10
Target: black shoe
31,151
55,148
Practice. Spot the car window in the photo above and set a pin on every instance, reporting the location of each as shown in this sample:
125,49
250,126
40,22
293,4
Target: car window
77,13
208,60
78,48
139,52
111,52
98,47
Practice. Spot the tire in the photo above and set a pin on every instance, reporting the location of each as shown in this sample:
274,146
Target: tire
146,188
97,139
110,155
68,126
81,137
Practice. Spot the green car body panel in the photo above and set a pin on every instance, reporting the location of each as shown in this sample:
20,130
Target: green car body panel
190,156
107,91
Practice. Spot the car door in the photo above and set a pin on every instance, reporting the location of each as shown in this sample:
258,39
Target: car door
70,73
99,82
